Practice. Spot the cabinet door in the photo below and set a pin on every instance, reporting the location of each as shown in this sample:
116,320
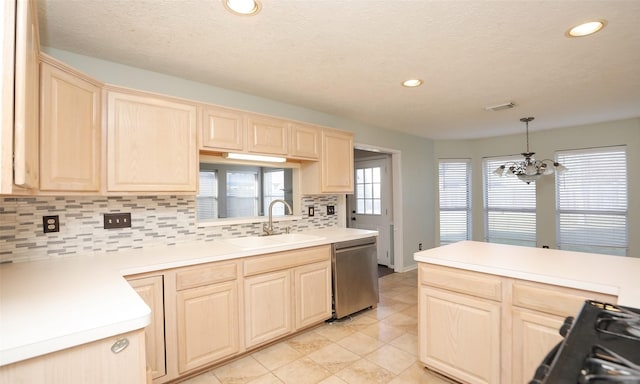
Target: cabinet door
151,144
312,294
69,131
459,335
151,290
534,335
93,363
208,328
267,135
305,141
337,162
267,307
26,88
222,129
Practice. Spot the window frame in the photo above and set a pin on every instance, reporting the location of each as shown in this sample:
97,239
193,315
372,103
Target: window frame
489,164
467,208
605,240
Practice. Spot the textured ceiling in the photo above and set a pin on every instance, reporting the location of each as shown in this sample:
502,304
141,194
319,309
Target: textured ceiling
348,57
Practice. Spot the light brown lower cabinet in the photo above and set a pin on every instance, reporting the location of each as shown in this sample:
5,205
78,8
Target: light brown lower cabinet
285,292
94,363
482,328
151,290
463,335
208,327
267,307
312,291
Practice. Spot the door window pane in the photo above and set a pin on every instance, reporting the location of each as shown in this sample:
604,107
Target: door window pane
367,191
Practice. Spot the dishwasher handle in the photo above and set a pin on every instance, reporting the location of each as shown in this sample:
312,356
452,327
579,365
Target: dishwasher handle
367,241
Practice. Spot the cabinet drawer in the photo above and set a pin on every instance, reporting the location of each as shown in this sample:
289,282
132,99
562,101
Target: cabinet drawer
553,299
206,274
471,283
287,259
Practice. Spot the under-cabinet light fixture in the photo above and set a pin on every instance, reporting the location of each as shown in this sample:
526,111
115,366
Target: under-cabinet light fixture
245,156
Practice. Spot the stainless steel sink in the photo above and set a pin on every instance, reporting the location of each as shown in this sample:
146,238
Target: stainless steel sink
258,242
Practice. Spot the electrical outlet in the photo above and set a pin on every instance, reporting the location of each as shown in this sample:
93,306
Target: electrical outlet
312,211
51,224
117,220
419,246
331,210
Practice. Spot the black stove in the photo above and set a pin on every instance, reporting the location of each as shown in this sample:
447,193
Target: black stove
601,345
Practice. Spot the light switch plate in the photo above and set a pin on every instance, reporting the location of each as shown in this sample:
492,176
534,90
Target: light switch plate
117,220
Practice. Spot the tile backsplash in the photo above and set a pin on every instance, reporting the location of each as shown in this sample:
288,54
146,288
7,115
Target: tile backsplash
155,220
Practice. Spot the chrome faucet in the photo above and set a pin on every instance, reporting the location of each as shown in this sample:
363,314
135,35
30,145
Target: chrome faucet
268,228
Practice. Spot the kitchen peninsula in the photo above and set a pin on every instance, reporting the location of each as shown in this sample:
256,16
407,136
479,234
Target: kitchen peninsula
57,307
489,313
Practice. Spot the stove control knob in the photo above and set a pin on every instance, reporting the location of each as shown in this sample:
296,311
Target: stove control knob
564,329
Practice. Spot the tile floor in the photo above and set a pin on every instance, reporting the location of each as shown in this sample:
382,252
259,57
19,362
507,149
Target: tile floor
377,346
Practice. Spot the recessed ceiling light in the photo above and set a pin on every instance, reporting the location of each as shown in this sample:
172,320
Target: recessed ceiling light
242,7
412,83
586,29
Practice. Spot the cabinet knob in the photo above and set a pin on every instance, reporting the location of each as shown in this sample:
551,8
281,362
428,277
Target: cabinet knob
120,345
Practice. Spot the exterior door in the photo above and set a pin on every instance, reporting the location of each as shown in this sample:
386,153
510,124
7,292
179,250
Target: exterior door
370,205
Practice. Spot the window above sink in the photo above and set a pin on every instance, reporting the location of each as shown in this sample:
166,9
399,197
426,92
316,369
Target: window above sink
232,192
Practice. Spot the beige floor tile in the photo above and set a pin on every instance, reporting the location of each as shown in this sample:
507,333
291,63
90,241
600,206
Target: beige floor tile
240,371
412,311
365,372
334,331
361,321
333,380
392,359
269,378
360,344
402,321
308,342
385,310
383,332
205,378
276,356
302,371
417,374
333,357
407,342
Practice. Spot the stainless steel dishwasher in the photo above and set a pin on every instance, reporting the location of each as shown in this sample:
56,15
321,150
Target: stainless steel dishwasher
354,270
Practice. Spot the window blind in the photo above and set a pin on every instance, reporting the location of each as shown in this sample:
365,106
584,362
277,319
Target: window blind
591,200
454,180
509,205
207,199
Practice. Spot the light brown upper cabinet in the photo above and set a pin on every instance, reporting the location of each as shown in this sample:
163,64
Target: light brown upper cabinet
267,135
305,141
70,130
334,172
221,129
151,143
20,86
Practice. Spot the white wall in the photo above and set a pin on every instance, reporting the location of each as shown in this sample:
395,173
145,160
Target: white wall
544,144
417,153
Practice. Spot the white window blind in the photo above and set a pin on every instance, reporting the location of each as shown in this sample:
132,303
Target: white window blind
454,180
591,200
509,205
207,200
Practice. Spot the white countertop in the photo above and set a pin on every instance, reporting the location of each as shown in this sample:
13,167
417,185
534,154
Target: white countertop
47,306
616,275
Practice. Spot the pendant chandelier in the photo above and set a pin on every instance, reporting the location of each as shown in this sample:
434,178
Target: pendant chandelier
529,169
